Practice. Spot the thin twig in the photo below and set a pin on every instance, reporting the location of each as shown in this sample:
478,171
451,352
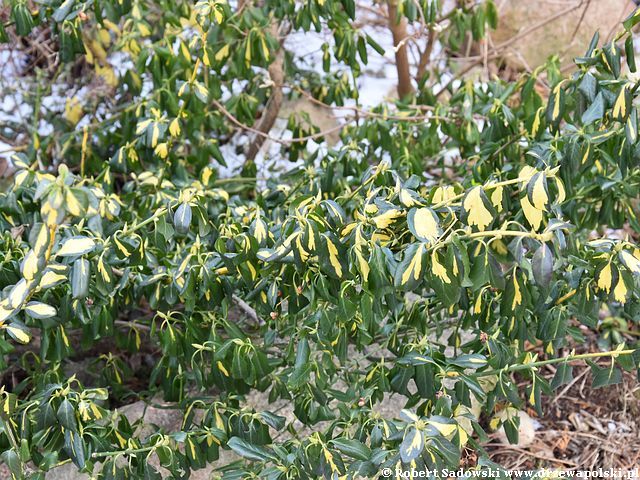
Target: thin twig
571,384
247,309
281,141
506,446
579,24
497,50
133,324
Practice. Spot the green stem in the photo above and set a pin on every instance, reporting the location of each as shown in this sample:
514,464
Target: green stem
160,212
10,435
123,452
569,358
223,181
360,187
489,186
504,233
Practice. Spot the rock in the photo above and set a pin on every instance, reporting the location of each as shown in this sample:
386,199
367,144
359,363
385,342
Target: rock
556,36
168,419
526,430
67,471
311,114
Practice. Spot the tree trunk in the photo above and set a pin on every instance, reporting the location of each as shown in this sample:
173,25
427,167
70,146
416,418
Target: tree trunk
399,32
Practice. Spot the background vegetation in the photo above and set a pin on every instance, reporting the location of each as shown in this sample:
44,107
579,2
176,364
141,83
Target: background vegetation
169,231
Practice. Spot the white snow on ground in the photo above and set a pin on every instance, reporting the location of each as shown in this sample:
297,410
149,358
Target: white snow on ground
13,107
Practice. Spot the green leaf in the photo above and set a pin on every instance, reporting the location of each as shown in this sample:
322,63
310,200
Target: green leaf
443,448
277,422
412,444
411,270
542,265
589,88
182,218
66,415
595,111
352,447
630,53
80,278
74,447
632,19
11,459
511,426
491,13
564,374
299,376
552,326
605,376
375,45
593,44
249,451
4,38
22,16
470,360
63,10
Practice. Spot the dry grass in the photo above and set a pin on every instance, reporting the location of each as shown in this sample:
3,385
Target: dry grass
583,429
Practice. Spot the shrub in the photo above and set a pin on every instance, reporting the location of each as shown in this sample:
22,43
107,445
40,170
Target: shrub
379,266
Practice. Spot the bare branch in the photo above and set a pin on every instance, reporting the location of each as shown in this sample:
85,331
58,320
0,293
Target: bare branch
248,310
282,141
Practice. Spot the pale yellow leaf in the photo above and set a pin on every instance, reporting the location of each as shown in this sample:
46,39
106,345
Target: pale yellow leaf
477,213
620,292
539,194
384,220
496,198
605,278
532,214
19,334
438,269
76,246
426,225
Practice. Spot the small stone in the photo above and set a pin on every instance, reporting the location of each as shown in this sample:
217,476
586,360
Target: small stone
526,430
